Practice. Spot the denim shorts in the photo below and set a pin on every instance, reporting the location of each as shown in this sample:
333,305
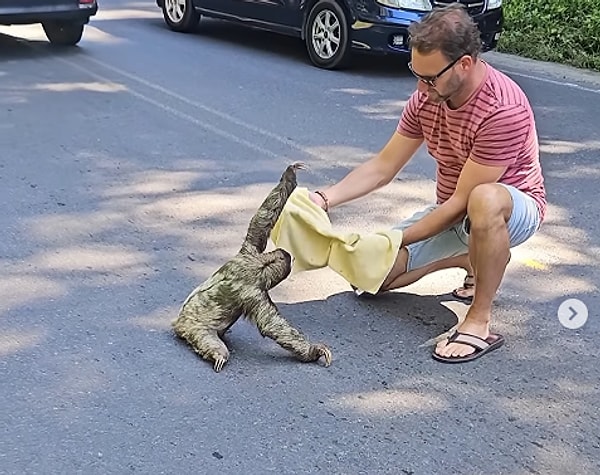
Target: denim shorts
523,223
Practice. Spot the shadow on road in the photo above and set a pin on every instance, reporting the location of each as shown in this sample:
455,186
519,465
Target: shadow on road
113,219
15,48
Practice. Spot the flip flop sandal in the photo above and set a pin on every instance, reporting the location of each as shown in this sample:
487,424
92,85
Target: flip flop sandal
481,346
466,286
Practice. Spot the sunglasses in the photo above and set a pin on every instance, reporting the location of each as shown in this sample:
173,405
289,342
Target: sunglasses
430,80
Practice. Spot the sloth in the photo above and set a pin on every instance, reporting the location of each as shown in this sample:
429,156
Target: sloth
240,287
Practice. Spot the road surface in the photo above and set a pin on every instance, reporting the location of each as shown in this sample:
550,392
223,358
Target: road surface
130,169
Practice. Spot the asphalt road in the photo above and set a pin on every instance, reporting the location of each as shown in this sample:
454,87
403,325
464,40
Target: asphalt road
129,170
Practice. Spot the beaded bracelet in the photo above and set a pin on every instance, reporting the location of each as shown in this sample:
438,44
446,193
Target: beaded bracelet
325,199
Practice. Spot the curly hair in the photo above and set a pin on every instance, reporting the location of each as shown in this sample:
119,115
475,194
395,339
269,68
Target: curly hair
450,30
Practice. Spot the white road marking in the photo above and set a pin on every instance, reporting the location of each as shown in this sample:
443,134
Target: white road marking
178,113
553,81
192,103
200,123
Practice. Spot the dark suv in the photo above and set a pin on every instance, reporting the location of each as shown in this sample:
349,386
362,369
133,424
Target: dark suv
62,20
332,29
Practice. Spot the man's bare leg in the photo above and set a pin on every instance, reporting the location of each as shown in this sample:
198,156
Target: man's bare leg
489,210
467,290
399,277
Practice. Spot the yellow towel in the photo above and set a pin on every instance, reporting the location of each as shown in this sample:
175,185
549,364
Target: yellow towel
304,230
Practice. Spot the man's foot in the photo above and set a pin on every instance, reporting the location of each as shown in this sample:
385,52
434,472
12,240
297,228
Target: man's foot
470,341
467,291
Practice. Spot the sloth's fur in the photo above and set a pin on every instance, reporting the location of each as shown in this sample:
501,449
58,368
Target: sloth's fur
240,287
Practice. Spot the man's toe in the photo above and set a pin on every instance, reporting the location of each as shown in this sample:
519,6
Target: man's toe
465,350
454,350
441,348
444,350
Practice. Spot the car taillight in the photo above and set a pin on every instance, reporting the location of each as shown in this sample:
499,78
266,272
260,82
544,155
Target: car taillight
86,2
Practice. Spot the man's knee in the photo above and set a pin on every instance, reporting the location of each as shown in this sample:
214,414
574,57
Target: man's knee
488,204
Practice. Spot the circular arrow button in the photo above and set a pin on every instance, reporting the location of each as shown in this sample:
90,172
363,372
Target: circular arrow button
572,314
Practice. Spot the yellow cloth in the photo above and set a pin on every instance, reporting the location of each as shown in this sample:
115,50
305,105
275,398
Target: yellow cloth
304,230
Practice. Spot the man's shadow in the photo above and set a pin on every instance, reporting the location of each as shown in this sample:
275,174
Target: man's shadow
412,317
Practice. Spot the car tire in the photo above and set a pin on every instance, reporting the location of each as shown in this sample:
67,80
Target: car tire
327,35
180,15
63,34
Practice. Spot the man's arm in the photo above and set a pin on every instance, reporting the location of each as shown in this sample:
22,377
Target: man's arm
373,174
454,209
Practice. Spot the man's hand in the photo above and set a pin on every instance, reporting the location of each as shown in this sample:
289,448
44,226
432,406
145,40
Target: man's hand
318,200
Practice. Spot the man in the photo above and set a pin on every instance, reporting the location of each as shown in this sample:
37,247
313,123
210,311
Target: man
479,127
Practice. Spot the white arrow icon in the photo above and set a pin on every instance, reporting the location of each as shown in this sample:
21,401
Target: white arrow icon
572,314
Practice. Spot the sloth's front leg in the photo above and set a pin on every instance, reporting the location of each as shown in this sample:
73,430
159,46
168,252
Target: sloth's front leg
263,312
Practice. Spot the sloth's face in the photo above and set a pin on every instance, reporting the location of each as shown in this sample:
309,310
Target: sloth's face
279,269
286,257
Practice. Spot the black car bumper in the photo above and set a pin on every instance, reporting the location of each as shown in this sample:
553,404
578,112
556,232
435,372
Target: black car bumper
30,15
387,31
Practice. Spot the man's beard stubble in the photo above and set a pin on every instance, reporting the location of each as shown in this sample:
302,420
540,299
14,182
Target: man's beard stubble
454,86
435,97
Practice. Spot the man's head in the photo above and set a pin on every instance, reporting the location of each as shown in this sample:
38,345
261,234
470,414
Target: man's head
445,46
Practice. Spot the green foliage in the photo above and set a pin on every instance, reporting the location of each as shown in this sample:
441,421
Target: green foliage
563,31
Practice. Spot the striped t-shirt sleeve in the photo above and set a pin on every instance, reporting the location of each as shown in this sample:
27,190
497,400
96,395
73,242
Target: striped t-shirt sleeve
409,124
502,136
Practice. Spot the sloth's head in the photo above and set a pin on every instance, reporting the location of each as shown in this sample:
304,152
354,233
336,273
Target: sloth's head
278,269
285,257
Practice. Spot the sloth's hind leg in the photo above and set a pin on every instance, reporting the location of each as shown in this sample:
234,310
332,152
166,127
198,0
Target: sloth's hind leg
206,343
212,348
263,312
215,350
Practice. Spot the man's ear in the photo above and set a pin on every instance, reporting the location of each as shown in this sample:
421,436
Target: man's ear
466,62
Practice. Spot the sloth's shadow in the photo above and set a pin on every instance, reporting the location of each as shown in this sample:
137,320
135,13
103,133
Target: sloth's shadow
393,324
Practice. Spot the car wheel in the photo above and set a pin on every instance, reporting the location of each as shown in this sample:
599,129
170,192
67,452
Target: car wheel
326,35
180,15
64,34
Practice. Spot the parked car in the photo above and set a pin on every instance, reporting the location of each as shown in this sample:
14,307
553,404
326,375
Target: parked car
333,29
63,20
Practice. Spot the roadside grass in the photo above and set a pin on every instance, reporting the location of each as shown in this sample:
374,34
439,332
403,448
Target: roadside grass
561,31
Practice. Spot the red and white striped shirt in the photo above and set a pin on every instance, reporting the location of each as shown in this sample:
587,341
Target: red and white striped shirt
496,126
